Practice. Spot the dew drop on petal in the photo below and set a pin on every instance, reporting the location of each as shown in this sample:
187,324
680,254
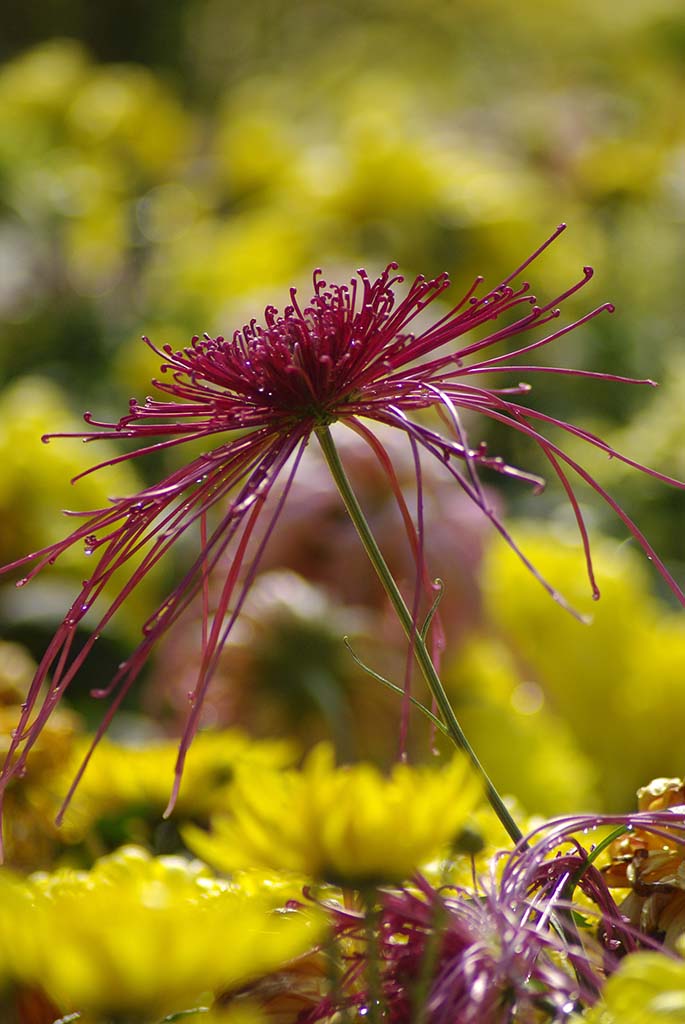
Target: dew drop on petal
22,582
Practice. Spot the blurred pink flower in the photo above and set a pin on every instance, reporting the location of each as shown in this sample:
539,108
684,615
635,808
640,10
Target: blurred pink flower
313,587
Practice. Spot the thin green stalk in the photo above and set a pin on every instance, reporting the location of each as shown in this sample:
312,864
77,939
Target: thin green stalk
372,917
575,878
429,963
340,1010
397,689
410,627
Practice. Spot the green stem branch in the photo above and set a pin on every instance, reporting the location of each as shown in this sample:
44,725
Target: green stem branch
410,627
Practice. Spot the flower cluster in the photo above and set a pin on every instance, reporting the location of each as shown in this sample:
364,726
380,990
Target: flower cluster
325,913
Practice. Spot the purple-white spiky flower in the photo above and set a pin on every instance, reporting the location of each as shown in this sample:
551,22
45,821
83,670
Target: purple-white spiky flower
348,356
522,944
499,952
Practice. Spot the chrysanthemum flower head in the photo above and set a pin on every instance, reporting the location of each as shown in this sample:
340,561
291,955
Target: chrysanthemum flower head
349,825
647,988
650,862
94,940
359,354
486,954
128,786
30,833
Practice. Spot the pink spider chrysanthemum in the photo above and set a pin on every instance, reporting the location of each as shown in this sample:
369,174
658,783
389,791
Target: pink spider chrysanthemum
533,940
348,356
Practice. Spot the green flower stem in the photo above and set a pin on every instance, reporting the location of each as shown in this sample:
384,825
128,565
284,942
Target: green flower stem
429,963
410,627
592,856
335,978
372,917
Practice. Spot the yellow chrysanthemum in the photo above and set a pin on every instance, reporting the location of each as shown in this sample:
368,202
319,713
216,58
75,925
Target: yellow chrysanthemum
14,904
132,783
541,763
30,836
628,668
35,480
647,988
348,825
144,936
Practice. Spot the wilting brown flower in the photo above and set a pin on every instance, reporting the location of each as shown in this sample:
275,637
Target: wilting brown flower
652,865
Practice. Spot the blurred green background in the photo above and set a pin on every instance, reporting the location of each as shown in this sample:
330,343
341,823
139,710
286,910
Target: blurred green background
170,168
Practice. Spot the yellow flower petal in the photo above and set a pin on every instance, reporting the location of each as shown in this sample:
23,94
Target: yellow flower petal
348,825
